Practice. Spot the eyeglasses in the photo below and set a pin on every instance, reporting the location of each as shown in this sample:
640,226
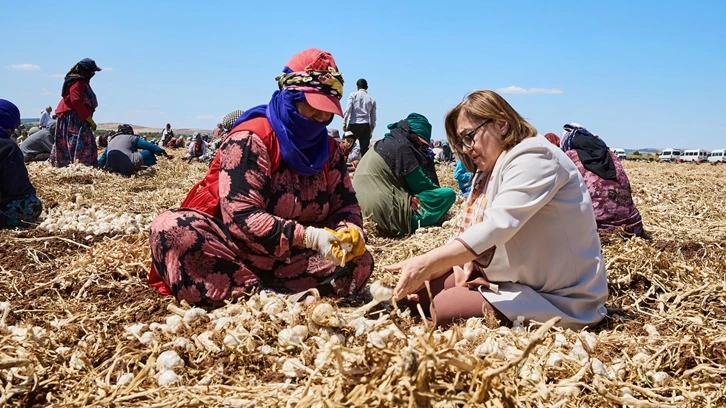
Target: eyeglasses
467,141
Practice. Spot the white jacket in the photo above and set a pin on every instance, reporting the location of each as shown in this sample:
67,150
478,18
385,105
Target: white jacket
548,260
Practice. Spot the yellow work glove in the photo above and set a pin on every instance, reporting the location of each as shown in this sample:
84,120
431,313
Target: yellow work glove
350,240
92,123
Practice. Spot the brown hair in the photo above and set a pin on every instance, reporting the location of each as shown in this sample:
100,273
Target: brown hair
484,105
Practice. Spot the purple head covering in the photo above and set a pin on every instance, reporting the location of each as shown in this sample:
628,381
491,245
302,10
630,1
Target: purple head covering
304,145
9,117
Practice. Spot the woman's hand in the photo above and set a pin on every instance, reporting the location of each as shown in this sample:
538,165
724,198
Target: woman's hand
414,273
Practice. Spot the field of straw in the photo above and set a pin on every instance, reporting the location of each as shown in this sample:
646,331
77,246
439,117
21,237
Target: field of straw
79,326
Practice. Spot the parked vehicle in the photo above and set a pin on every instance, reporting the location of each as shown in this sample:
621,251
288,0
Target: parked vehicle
694,155
619,152
717,156
670,155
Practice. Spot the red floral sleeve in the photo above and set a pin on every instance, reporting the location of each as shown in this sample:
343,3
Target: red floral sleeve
244,181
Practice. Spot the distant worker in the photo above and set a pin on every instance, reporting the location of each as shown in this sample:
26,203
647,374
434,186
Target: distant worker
351,151
74,138
127,153
197,148
360,115
605,178
45,117
166,135
463,178
218,131
37,147
397,183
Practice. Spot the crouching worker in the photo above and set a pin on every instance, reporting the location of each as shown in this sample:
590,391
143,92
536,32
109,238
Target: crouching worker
276,208
528,243
605,177
351,150
37,147
197,148
397,181
18,204
127,153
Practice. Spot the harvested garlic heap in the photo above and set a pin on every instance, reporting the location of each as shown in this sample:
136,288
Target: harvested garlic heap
73,169
93,220
316,338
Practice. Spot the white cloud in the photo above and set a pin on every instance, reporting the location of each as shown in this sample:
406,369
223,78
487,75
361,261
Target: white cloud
57,75
205,117
519,90
24,67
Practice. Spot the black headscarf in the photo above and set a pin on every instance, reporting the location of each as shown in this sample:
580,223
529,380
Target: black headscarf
594,155
84,70
403,154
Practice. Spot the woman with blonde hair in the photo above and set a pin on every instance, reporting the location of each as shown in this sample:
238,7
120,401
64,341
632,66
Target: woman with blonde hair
528,243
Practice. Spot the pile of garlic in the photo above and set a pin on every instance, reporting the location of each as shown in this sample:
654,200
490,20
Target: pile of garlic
315,336
93,220
73,169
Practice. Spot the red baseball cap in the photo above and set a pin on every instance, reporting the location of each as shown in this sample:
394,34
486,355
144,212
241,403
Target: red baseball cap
317,60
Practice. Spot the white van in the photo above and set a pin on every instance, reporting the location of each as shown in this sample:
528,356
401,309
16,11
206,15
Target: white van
619,152
717,156
694,155
670,155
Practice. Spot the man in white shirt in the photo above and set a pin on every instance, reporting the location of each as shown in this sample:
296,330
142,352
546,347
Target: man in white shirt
45,117
360,115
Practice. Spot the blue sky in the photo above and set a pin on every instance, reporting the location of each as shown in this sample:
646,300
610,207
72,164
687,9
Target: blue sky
639,74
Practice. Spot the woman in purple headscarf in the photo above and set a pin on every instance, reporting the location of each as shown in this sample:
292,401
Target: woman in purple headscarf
282,201
605,177
18,204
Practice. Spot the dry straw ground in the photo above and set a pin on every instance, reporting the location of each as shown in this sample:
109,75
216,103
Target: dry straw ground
81,328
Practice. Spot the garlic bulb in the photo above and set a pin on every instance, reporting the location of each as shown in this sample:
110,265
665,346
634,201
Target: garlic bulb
376,340
135,329
167,378
183,343
174,322
274,307
658,378
471,334
554,360
598,368
578,352
194,314
231,341
381,293
288,338
301,331
124,379
292,368
147,338
651,330
205,340
560,340
325,315
591,341
169,360
490,347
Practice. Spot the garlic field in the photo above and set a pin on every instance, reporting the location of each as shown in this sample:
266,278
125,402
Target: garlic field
80,327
